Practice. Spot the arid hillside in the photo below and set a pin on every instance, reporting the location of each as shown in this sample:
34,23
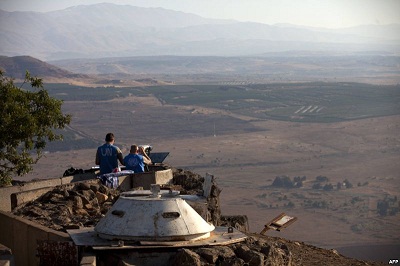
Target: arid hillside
246,153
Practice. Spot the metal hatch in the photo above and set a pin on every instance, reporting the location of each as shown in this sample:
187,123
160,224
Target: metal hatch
153,218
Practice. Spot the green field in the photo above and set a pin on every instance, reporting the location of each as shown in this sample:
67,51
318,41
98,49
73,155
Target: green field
302,102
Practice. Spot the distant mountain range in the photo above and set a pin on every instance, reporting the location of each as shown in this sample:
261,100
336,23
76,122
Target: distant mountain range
109,30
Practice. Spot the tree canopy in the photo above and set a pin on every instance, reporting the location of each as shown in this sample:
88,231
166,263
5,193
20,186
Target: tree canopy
28,120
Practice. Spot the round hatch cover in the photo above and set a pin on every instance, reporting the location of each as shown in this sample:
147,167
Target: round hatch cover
154,219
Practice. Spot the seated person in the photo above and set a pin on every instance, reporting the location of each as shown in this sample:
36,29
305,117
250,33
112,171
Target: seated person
136,159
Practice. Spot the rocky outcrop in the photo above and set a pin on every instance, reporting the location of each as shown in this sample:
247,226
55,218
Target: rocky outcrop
253,252
70,207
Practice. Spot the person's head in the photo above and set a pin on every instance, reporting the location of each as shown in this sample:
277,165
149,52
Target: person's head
110,137
134,149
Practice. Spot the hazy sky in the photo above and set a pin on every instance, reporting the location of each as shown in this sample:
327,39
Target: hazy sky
317,13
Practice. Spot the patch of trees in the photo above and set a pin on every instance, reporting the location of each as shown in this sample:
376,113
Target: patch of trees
356,199
317,186
287,182
328,186
363,226
388,206
321,178
346,184
320,183
290,204
318,204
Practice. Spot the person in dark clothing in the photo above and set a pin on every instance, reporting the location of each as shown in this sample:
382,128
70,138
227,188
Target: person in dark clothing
108,155
136,159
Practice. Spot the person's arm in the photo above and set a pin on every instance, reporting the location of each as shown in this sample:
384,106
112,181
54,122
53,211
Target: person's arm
97,160
146,158
120,157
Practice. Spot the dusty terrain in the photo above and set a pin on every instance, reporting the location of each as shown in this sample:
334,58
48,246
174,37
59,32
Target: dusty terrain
247,155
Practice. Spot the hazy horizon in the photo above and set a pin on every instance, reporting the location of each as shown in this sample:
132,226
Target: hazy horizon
313,13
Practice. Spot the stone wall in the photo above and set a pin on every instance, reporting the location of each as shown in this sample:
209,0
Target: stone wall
21,236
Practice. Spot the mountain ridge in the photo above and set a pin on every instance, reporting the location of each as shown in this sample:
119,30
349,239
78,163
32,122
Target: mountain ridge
110,30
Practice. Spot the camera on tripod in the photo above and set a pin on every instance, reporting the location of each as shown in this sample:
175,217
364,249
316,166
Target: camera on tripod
147,148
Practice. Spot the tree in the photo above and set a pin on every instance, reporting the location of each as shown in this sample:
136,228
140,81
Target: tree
382,207
298,184
28,120
317,186
328,187
291,204
282,181
347,184
321,178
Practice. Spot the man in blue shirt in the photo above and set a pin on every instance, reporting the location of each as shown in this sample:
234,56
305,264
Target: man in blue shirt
136,159
108,155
